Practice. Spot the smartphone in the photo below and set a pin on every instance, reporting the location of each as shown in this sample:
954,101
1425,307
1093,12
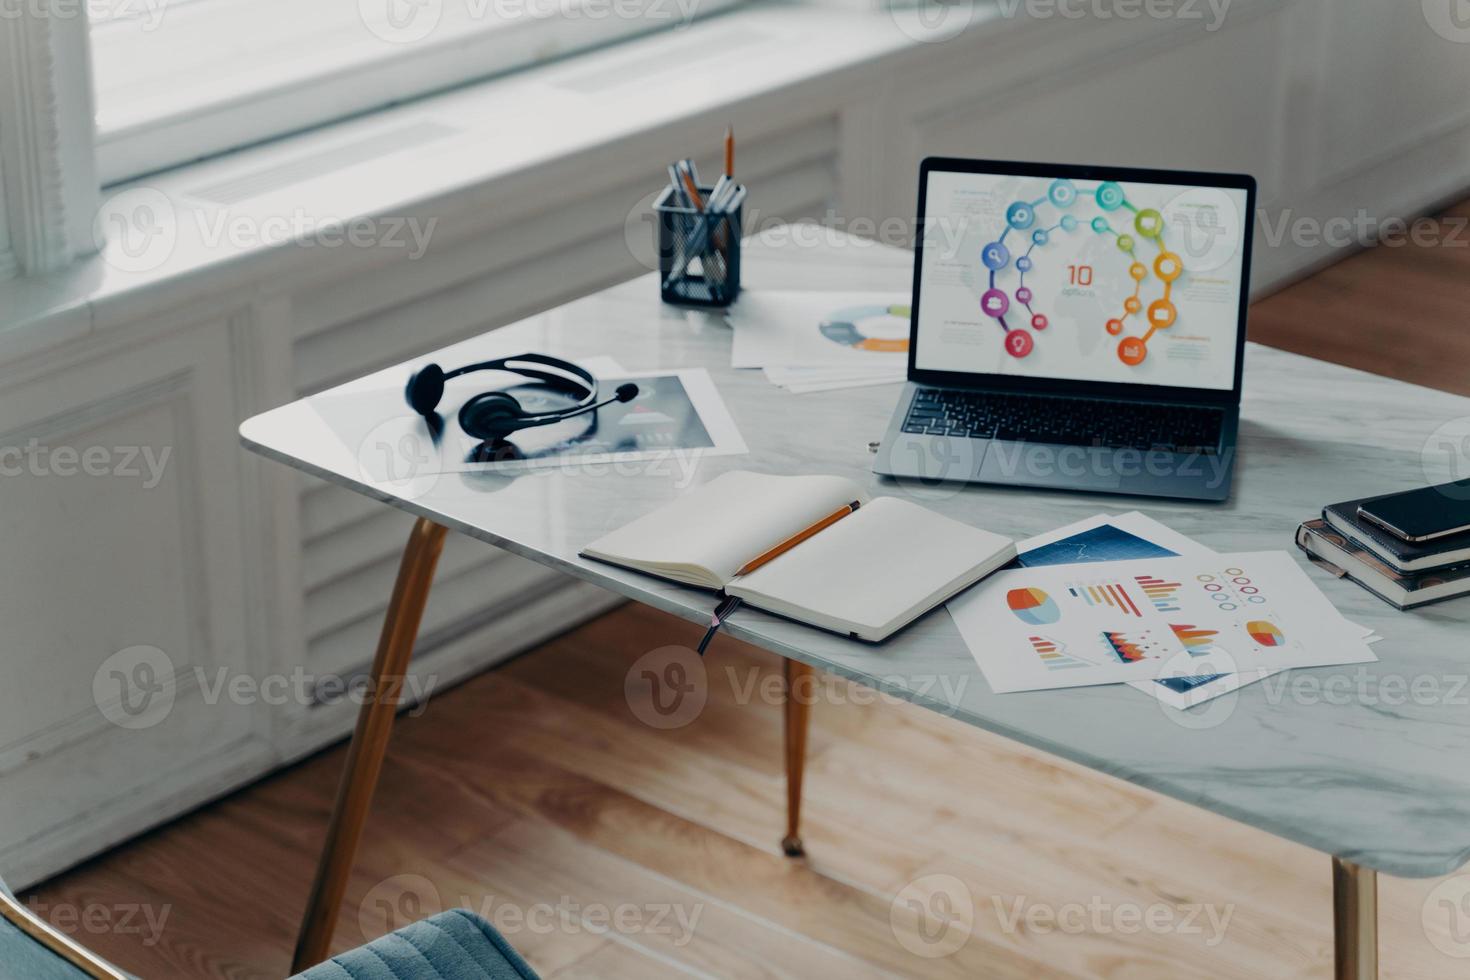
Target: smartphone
1422,515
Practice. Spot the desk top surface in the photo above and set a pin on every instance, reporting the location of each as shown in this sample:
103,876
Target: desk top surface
1367,763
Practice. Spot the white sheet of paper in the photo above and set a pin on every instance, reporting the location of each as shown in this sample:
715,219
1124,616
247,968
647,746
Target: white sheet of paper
1104,622
393,445
791,374
800,380
1161,534
800,377
808,389
1210,690
1148,529
803,328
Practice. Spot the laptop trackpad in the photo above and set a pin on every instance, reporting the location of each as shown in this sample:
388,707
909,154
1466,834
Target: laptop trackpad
1046,465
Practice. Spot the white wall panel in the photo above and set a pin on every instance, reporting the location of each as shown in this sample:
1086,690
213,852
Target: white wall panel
1203,101
109,557
1388,81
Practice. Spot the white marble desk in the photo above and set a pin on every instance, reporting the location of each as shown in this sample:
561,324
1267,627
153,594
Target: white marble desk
1361,767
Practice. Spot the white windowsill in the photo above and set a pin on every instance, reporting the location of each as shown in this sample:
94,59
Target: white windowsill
508,128
250,81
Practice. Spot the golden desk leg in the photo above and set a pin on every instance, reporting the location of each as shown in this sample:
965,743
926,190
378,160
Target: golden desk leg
369,742
1355,920
798,715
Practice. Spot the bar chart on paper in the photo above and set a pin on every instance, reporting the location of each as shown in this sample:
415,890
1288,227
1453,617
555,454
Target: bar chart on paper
1197,642
1108,594
1054,655
1161,594
1131,647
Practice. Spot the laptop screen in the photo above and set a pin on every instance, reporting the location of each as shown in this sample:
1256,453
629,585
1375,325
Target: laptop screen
1053,276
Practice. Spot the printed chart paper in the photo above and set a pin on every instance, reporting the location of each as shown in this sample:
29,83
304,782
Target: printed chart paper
677,415
1136,535
1076,625
791,328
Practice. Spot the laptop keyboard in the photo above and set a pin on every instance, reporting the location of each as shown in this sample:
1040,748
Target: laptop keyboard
1064,421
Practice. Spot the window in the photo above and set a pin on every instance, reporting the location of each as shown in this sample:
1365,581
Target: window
178,80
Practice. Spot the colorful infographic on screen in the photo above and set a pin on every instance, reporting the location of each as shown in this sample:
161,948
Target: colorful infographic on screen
1081,280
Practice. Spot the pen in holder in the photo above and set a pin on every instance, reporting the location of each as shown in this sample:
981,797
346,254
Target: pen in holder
699,250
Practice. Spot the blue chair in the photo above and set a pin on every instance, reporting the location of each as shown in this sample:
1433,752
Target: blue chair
453,945
30,947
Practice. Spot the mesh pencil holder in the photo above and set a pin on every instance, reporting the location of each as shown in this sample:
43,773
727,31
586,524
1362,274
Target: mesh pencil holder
698,257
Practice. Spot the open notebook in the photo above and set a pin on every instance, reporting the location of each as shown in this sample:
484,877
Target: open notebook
867,573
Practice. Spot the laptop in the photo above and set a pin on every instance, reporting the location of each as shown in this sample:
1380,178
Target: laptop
1075,327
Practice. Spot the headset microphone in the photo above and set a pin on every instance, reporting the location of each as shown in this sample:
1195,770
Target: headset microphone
625,393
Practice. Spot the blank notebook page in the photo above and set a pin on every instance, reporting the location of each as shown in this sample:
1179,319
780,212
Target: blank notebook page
874,570
727,522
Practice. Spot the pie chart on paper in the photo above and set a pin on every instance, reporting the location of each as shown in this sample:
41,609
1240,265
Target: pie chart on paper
1264,633
871,328
1033,606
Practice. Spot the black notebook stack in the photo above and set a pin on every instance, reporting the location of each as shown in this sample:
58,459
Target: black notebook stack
1404,574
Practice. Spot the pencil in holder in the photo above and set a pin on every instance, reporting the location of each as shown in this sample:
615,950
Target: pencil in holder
698,253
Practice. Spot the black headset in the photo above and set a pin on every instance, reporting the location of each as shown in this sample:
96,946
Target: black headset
493,416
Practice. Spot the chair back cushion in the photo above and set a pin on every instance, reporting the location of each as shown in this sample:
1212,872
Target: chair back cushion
453,945
22,956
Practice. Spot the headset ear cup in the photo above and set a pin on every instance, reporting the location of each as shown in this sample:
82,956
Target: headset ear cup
491,416
425,388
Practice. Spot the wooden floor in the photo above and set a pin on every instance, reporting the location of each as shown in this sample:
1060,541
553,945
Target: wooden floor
1402,310
606,848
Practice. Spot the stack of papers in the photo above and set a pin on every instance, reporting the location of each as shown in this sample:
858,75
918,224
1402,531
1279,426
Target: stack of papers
807,342
1125,599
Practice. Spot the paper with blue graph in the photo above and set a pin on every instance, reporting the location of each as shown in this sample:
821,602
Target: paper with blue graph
1105,537
1106,621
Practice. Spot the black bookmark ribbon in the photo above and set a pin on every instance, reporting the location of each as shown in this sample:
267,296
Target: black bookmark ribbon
722,612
